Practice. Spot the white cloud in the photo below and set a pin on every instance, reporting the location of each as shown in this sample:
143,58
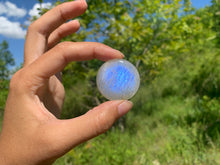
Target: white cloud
35,12
3,9
11,29
11,10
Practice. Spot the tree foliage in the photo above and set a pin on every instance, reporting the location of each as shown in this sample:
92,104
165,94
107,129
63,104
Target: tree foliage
215,9
6,60
151,34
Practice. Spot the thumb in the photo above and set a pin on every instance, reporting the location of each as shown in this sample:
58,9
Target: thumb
96,121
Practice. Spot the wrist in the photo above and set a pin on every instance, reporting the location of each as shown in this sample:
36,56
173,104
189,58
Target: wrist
8,157
2,157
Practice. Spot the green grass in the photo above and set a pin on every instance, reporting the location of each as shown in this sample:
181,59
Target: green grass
157,133
161,136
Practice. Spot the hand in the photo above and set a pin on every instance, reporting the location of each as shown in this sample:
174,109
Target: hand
32,133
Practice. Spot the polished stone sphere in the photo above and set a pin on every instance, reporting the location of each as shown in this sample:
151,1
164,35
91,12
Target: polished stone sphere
118,79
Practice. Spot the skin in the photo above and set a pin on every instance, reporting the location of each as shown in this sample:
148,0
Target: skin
32,132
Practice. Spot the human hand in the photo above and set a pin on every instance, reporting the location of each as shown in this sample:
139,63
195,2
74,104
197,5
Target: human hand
32,133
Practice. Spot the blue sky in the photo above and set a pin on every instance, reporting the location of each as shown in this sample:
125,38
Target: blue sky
13,13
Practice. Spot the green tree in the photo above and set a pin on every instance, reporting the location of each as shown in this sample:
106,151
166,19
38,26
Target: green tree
6,60
149,33
215,9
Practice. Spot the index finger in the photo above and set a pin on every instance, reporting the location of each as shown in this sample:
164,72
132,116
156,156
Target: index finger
38,31
58,57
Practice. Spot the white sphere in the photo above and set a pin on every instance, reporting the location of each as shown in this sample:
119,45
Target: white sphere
118,79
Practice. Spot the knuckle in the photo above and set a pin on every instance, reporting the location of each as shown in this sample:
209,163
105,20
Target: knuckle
60,11
31,27
60,50
59,34
36,28
16,78
61,45
19,81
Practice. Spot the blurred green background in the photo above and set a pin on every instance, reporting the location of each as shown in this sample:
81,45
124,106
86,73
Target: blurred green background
176,115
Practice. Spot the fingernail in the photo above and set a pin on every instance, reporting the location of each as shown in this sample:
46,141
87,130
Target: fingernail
124,107
122,55
118,52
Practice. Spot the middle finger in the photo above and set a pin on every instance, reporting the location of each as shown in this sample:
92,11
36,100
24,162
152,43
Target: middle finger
38,31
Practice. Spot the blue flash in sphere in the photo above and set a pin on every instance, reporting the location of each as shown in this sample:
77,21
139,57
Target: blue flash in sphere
118,79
